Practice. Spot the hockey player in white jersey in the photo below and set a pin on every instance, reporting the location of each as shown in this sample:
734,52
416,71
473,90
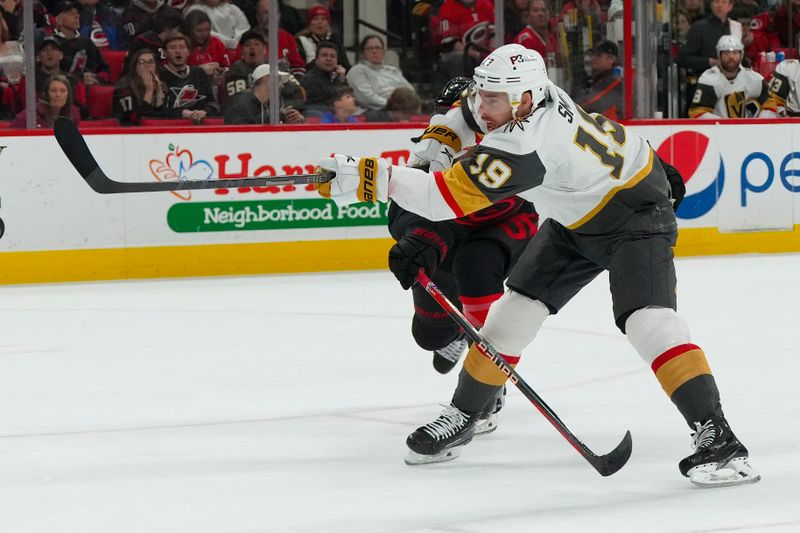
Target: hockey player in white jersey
783,88
606,199
729,90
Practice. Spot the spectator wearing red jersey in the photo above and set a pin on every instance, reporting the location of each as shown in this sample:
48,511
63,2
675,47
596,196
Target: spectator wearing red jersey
463,21
208,52
228,23
537,35
289,57
775,24
754,42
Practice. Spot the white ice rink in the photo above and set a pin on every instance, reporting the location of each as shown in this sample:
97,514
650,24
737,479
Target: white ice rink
282,403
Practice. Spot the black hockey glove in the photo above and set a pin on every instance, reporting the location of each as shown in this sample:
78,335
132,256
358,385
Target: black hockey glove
421,248
676,185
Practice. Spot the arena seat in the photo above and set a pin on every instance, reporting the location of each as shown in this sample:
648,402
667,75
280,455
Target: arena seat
100,123
5,124
116,62
100,100
213,121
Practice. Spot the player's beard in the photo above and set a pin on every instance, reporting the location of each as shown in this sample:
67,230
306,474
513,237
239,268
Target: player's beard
730,68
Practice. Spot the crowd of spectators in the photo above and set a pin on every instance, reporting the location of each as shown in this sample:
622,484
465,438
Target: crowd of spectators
201,61
183,62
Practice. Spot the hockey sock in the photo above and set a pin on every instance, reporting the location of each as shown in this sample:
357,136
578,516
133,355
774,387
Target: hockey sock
685,376
476,308
471,395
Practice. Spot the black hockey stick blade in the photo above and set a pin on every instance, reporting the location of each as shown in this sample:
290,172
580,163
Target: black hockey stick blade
74,147
615,459
604,464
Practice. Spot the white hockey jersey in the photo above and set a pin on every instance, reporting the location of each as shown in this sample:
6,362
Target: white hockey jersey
584,171
718,97
783,87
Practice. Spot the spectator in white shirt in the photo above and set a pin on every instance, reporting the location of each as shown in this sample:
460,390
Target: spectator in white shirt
372,80
228,23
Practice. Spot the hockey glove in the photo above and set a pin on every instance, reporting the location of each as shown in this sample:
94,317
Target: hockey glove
421,248
441,142
364,179
676,185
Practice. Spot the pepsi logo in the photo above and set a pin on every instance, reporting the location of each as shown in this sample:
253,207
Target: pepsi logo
699,161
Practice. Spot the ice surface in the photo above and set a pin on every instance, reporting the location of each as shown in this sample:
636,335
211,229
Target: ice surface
282,403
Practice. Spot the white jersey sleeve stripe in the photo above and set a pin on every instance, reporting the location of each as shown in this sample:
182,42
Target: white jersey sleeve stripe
417,191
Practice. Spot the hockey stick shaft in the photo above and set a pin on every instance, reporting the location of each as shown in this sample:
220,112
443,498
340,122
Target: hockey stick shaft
74,147
606,464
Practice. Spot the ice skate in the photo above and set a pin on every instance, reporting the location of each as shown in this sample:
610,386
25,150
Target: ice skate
719,460
442,439
446,358
487,421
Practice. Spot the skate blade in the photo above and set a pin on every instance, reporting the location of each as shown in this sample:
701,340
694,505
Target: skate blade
413,458
486,425
736,472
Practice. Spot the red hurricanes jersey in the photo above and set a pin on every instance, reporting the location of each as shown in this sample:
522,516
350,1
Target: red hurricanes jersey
454,20
531,39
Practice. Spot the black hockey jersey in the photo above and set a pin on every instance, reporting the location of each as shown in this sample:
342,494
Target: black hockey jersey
190,89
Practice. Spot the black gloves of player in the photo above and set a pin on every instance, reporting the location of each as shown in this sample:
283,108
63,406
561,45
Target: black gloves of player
676,184
421,248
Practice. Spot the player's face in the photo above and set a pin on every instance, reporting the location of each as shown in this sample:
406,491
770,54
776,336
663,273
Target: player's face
495,109
730,60
177,53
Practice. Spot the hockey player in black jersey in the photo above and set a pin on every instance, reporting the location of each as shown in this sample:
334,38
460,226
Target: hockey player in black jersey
606,200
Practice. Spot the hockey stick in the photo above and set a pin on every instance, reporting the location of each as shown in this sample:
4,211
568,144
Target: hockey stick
74,147
604,464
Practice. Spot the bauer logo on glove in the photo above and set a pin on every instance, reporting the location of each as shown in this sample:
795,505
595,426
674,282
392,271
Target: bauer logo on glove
444,135
364,179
